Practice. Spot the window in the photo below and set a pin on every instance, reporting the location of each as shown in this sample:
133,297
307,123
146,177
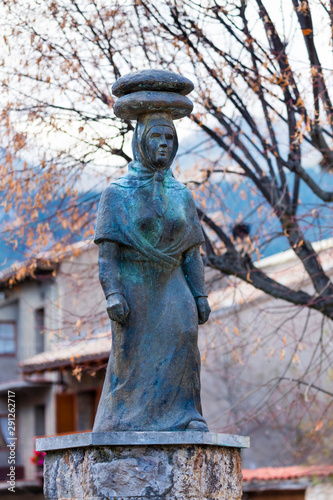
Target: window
40,420
85,410
39,330
7,338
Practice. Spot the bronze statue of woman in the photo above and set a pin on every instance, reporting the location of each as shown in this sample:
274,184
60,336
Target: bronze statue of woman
151,271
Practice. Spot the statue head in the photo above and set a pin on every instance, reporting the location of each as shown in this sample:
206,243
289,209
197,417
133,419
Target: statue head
154,98
155,141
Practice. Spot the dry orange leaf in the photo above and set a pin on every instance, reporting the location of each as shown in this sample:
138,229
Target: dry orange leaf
307,31
319,426
296,358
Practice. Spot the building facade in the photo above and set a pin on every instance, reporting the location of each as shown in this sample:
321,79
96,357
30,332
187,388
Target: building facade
51,323
55,342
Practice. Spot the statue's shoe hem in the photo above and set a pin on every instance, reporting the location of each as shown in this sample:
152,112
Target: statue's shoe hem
197,425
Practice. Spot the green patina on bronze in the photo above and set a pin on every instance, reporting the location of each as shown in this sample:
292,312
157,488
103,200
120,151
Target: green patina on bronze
151,271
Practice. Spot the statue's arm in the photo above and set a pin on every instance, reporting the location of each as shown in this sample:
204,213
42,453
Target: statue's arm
193,269
110,278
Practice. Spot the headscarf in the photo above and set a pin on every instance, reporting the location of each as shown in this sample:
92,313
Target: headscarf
141,171
143,126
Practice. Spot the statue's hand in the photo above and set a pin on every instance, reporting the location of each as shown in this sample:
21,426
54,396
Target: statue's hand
117,308
203,309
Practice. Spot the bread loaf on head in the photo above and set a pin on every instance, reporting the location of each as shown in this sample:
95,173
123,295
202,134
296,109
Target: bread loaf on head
133,105
152,79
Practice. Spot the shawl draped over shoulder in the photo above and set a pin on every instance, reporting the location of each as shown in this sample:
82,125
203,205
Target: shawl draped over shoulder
124,203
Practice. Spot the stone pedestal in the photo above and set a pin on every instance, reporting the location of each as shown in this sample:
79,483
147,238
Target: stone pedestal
143,465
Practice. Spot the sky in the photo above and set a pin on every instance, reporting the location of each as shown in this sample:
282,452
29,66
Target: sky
285,19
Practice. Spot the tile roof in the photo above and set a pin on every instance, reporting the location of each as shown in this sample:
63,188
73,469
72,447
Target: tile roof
43,262
284,473
22,385
95,348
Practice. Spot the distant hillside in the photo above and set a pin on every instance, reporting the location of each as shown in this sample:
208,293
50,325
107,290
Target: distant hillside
315,217
10,252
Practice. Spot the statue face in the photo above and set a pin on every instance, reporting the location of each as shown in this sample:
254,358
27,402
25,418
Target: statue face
159,145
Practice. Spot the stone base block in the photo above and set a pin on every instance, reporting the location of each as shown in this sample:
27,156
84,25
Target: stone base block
168,472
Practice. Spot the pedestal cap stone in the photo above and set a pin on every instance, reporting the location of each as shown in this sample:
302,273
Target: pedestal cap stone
140,438
152,79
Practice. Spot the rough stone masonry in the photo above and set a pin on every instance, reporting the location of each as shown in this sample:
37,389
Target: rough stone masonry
144,472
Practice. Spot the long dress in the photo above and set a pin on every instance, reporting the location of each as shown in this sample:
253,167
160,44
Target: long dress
153,375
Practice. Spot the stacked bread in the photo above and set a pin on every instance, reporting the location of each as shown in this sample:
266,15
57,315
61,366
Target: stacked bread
152,91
